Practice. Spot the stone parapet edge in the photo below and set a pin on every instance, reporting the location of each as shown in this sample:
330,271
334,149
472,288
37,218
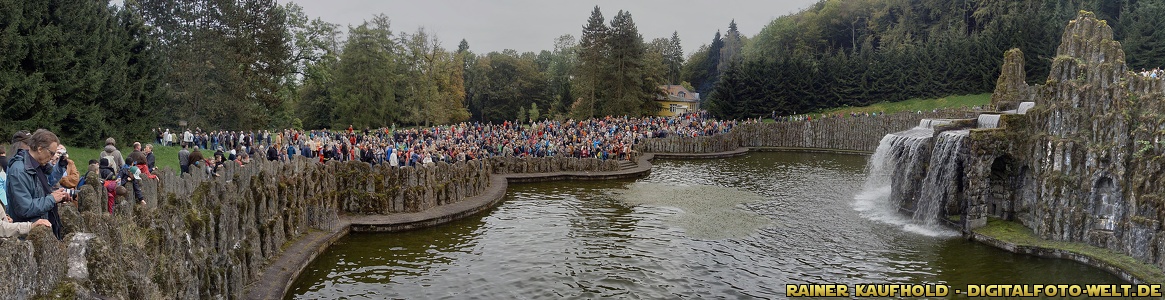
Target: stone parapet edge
1055,253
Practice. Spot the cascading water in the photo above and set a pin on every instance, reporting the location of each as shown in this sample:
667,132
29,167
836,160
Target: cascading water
988,121
944,175
898,172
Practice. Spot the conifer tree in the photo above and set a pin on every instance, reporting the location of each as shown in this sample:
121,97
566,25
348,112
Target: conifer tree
632,87
674,58
733,45
727,98
592,51
712,72
83,69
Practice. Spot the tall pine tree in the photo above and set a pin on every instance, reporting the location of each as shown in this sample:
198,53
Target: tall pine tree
712,75
82,69
728,97
592,51
633,88
674,58
733,45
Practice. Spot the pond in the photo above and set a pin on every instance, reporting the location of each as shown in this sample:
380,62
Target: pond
739,227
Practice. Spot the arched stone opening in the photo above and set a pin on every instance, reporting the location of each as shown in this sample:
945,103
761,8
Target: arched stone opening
1105,204
1000,189
1008,192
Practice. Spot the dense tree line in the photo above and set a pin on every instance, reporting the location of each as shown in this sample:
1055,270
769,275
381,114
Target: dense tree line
857,52
224,62
89,70
80,68
379,78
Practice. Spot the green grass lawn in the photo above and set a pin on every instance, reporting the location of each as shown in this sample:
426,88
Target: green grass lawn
919,104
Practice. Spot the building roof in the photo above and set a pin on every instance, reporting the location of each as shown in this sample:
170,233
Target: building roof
679,93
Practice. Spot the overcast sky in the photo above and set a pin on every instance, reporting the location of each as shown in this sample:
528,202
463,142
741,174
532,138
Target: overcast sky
532,25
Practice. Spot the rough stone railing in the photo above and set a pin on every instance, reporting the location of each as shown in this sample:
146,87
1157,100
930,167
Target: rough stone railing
368,189
846,133
708,144
197,238
512,165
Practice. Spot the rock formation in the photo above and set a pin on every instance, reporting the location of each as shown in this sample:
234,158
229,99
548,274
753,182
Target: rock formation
1084,165
1011,88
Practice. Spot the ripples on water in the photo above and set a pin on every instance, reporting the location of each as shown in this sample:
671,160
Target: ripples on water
794,222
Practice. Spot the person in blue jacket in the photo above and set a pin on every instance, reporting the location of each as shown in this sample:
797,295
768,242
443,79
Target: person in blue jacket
29,192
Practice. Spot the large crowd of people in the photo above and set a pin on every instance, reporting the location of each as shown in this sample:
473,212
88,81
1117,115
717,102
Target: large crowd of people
37,175
602,138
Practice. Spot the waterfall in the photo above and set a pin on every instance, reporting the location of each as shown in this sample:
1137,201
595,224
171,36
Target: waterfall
931,123
944,175
1024,107
897,170
988,121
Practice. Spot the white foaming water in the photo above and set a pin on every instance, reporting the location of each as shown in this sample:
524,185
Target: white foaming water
873,201
706,212
988,121
932,123
944,172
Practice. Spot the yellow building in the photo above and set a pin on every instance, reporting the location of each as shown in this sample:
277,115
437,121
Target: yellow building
679,100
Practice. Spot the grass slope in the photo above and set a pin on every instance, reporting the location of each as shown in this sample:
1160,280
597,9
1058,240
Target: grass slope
965,101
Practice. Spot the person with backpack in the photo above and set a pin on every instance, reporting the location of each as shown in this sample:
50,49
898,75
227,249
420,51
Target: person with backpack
113,154
109,180
130,174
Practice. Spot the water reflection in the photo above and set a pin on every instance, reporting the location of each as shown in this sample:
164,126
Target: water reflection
582,240
366,262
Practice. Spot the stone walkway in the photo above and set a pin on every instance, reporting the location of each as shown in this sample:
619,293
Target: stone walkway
737,152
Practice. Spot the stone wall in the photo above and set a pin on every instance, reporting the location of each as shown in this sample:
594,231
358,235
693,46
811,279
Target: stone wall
708,144
1085,165
846,133
382,189
514,165
195,239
